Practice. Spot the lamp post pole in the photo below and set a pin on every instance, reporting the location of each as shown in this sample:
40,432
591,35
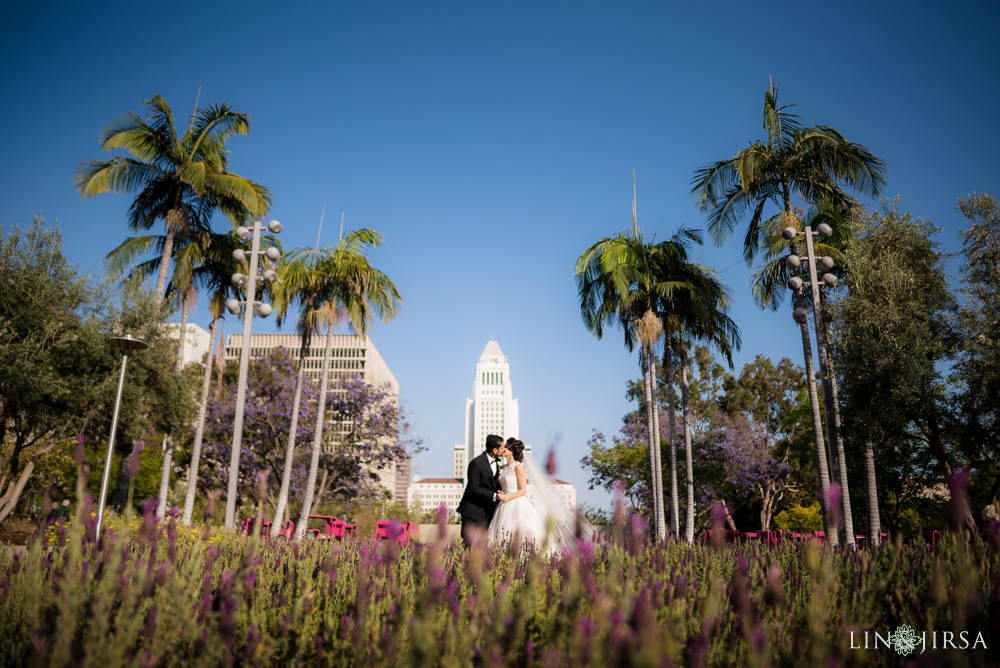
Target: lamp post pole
800,316
125,344
263,310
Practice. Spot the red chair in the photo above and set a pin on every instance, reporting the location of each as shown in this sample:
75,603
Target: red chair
340,529
391,530
248,526
288,530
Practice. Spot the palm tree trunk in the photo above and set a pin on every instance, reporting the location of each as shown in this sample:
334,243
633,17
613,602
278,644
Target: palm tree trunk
657,436
161,277
821,460
185,310
874,520
300,529
168,441
199,432
286,475
833,422
654,459
688,456
668,360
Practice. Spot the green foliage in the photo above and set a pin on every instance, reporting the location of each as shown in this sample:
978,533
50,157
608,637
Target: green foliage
799,519
891,335
59,376
978,326
813,163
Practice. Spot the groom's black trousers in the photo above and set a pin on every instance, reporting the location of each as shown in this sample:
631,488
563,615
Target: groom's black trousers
471,527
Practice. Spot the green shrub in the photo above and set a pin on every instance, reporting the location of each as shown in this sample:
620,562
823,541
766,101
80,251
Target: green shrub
799,519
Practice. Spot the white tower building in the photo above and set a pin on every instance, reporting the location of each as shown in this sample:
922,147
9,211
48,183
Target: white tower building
491,410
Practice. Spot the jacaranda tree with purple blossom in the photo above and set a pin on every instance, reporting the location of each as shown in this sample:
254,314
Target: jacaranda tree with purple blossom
623,466
735,464
368,436
267,416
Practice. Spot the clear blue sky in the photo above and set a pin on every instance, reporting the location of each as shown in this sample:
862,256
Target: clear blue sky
491,143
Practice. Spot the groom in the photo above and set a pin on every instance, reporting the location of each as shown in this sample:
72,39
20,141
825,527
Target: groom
482,485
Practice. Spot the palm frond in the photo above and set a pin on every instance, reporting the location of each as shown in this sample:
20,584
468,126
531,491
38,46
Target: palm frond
119,174
123,256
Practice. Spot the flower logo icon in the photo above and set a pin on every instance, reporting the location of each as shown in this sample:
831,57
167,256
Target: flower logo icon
904,640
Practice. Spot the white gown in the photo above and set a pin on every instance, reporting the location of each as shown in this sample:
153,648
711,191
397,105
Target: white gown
517,515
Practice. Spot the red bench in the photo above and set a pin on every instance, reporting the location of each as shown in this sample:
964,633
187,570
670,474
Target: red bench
401,531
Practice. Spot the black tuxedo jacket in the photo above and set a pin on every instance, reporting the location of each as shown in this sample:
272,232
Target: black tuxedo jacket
481,484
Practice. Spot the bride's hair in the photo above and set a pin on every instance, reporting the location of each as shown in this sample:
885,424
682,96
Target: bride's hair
516,448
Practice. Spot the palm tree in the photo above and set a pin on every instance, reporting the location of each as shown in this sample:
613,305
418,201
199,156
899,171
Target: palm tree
342,286
769,284
286,293
176,177
702,313
809,162
626,280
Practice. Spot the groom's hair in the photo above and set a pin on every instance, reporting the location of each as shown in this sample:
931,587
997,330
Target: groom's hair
493,442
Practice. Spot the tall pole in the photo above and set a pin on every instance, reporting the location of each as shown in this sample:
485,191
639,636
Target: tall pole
834,453
817,311
795,283
241,391
125,344
250,306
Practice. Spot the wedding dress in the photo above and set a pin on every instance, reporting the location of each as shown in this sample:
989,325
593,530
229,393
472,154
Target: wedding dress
516,516
542,519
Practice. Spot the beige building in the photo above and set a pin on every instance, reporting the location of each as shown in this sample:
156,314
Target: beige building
351,354
196,341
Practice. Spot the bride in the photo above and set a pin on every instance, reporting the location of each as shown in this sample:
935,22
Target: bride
543,522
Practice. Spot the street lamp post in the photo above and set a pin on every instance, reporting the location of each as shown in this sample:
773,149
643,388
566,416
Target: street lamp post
125,344
263,310
800,315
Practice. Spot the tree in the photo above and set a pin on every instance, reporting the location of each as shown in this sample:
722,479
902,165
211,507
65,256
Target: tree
627,280
343,287
978,324
701,314
624,466
371,436
201,258
271,385
41,302
766,393
810,162
177,178
214,271
59,376
892,334
736,464
769,290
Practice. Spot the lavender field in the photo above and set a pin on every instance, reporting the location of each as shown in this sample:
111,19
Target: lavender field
160,595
